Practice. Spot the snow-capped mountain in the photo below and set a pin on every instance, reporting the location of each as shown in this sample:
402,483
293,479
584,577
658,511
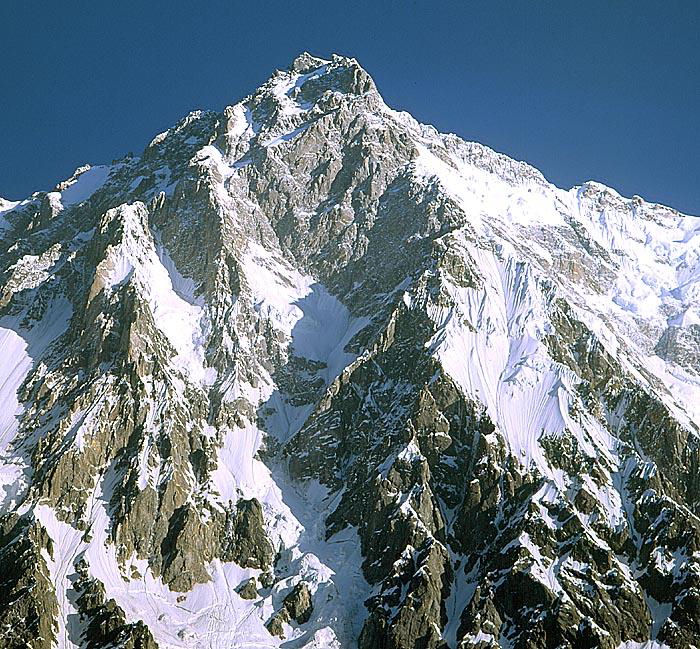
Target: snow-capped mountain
308,373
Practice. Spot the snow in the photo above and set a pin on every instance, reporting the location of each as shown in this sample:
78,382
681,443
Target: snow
238,470
158,139
284,89
5,208
480,192
281,88
341,592
285,85
20,350
542,568
213,614
300,80
658,252
184,287
499,359
15,366
120,271
461,593
32,270
318,325
176,311
240,121
314,325
85,185
660,612
287,137
220,171
653,252
410,453
480,637
136,182
685,318
684,387
609,500
67,544
490,339
547,494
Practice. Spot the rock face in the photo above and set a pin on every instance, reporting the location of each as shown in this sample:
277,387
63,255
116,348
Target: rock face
27,599
308,373
296,606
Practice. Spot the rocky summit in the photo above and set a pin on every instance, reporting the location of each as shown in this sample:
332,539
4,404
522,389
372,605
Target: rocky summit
307,373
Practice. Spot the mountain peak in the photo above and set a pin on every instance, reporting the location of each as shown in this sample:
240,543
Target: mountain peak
310,373
306,62
341,73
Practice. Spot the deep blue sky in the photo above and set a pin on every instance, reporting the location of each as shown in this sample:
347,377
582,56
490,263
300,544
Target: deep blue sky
583,90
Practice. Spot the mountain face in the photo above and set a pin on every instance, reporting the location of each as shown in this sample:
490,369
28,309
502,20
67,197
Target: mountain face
308,373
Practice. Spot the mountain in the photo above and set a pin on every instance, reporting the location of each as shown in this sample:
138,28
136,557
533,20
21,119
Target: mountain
308,373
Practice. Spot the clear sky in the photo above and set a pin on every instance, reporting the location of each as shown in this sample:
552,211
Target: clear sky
602,90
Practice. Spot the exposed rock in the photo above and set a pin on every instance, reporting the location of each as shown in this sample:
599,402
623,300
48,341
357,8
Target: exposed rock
28,606
244,540
248,589
298,603
276,622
